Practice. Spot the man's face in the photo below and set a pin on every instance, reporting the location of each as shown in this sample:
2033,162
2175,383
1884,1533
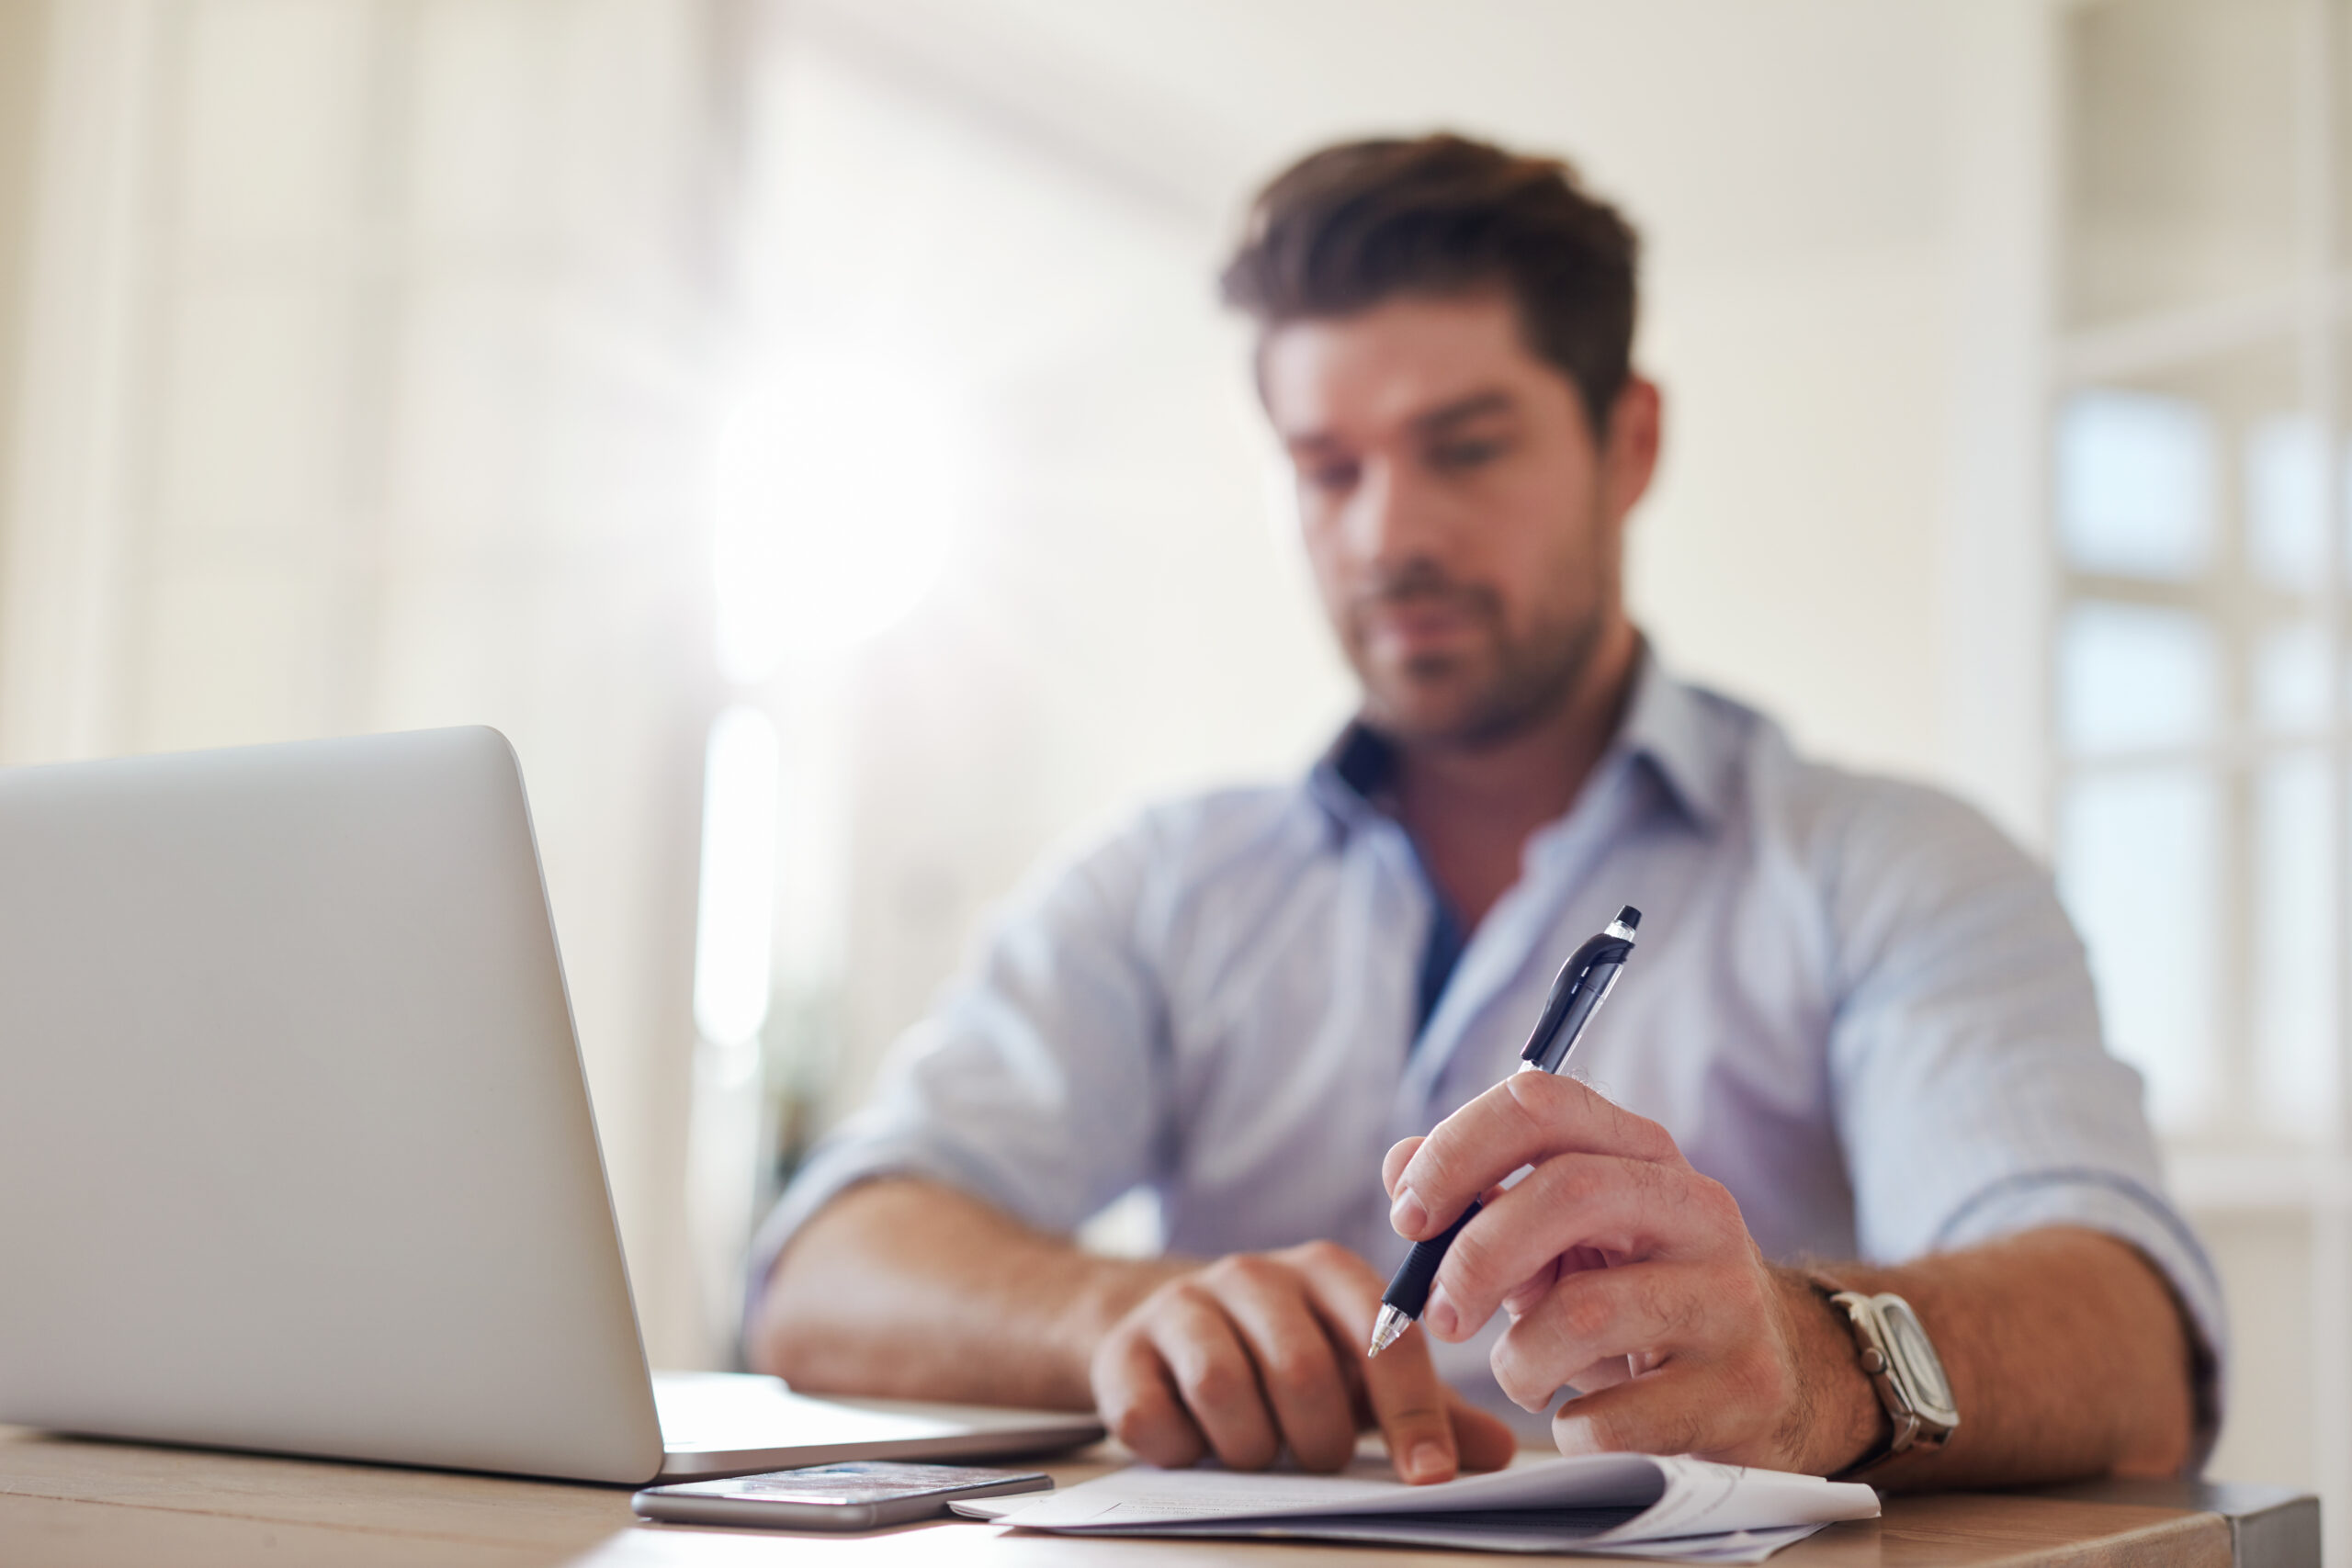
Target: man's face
1465,525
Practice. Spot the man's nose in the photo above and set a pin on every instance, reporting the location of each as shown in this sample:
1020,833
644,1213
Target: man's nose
1393,517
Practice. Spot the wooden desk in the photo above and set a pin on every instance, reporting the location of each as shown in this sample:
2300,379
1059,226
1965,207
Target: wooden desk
71,1504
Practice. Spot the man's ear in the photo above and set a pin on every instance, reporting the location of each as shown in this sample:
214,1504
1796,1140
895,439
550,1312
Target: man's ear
1629,452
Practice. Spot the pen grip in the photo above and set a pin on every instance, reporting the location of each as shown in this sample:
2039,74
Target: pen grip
1408,1292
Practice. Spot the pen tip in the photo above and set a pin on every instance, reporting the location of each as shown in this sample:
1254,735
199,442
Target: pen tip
1630,918
1386,1330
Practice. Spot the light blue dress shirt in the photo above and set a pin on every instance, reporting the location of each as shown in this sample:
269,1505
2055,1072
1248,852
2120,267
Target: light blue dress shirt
1855,1003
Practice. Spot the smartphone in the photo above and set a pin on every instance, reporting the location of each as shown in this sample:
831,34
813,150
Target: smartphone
860,1496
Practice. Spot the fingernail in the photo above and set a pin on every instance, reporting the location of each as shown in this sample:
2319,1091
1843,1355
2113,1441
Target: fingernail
1427,1462
1406,1215
1439,1313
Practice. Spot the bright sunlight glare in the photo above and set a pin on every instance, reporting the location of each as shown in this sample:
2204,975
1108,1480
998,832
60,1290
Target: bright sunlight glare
839,493
737,919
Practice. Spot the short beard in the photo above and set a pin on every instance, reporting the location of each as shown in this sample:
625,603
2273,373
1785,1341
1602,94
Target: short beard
1533,678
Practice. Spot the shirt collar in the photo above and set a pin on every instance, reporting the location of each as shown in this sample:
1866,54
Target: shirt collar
1668,724
1680,732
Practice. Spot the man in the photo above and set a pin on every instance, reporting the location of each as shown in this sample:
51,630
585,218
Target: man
1858,1030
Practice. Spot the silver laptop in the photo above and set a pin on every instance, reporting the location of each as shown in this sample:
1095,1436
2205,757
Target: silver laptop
295,1153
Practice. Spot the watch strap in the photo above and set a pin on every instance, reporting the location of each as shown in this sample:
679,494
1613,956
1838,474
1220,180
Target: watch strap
1905,1428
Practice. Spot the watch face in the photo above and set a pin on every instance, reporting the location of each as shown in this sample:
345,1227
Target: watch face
1916,1356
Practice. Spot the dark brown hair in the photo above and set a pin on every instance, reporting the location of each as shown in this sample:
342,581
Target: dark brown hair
1346,228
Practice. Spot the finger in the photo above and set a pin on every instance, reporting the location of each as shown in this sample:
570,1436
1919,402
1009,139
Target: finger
1297,1366
1662,1309
1524,1120
1615,1207
1520,1298
1392,1164
1407,1398
1216,1379
1607,1372
1410,1405
1483,1441
1676,1411
1139,1403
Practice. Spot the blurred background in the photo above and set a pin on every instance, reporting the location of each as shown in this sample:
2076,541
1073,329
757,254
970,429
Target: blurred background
807,430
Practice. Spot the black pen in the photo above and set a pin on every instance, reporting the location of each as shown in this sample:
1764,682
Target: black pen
1583,985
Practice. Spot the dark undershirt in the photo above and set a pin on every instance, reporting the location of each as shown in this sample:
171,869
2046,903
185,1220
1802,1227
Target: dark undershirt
1368,765
1440,955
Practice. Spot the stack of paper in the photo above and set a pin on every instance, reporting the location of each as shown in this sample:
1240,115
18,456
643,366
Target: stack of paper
1619,1504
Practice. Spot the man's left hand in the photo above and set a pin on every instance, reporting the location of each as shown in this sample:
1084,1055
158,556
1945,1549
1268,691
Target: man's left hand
1628,1275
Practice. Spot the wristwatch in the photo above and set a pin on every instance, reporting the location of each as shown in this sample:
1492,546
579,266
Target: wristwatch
1903,1368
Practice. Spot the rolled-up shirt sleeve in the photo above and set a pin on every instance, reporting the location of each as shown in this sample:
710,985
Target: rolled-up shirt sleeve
1036,1085
1972,1091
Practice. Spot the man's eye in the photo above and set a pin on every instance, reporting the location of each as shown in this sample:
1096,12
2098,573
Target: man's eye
1331,478
1452,456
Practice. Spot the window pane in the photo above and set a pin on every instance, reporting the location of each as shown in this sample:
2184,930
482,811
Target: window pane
235,656
2135,483
467,424
2132,675
2290,677
2136,868
2286,503
2294,936
268,143
251,435
2180,158
487,109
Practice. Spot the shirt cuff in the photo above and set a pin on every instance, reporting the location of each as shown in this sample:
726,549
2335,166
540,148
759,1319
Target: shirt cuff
2128,1209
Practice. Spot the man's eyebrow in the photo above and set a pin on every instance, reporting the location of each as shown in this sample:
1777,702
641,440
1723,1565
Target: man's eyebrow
1434,421
1462,410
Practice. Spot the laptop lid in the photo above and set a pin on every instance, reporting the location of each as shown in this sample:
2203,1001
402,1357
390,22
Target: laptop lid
296,1152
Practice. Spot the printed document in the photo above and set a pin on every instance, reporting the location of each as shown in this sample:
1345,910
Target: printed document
1616,1504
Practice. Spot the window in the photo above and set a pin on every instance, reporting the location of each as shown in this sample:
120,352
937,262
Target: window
2199,492
2199,479
372,335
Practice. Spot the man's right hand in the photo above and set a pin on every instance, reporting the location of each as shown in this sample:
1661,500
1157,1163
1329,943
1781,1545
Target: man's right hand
1261,1350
